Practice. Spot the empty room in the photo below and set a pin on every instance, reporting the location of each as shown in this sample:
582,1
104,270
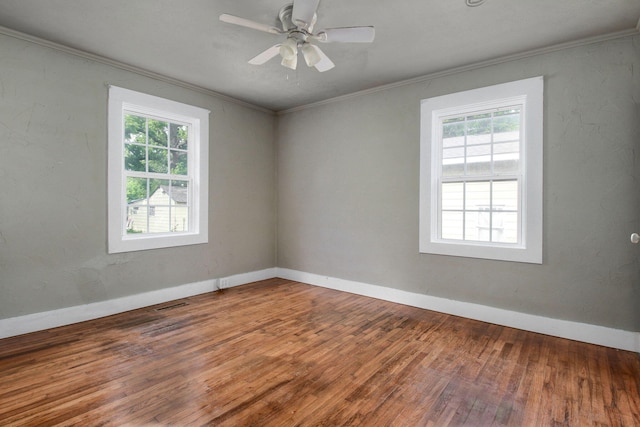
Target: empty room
320,212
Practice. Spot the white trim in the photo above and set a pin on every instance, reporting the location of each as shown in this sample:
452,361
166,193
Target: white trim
122,100
244,278
593,334
65,316
469,67
528,93
127,67
447,72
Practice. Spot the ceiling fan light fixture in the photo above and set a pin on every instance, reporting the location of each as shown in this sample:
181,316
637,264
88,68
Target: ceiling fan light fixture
291,63
298,20
311,56
289,49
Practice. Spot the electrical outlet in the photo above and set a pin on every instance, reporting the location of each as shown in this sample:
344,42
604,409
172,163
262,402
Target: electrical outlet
224,283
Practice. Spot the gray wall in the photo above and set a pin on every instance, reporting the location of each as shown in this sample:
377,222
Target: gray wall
348,191
53,158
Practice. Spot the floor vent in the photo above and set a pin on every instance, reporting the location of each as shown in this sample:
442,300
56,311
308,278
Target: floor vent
171,306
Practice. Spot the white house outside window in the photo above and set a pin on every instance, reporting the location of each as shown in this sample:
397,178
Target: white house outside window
481,173
158,172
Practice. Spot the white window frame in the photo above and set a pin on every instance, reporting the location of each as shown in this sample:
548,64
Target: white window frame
528,93
197,119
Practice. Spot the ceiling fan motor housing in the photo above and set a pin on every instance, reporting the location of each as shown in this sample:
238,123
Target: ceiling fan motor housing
297,21
285,17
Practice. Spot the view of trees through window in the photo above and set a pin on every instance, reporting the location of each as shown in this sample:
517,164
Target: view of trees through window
156,167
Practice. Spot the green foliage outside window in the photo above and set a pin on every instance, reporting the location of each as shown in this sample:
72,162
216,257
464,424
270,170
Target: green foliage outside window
153,146
482,124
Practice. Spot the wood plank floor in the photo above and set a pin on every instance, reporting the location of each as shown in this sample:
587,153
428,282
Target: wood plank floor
282,353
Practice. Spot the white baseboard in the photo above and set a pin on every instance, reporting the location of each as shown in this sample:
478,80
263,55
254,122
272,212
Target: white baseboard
254,276
593,334
65,316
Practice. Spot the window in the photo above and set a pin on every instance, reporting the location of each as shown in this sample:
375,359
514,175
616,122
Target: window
158,172
481,173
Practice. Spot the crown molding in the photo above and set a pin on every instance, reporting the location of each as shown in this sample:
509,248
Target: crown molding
470,67
127,67
196,88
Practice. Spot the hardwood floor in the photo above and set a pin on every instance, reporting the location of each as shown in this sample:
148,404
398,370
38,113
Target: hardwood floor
281,353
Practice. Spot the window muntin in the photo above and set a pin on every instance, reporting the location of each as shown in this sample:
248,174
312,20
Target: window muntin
480,176
158,172
481,211
481,172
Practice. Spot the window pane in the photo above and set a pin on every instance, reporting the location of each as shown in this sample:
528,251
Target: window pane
506,228
158,160
180,218
506,166
455,169
137,218
476,152
506,157
453,196
506,136
136,189
453,153
180,192
479,160
456,141
506,126
505,195
135,158
503,226
512,147
453,127
479,129
478,168
477,225
178,162
158,132
484,138
159,219
452,225
159,191
453,132
178,136
478,195
135,129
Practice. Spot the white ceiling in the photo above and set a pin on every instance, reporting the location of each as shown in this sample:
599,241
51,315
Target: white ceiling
185,40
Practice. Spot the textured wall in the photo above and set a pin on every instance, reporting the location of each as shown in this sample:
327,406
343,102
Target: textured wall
348,191
53,158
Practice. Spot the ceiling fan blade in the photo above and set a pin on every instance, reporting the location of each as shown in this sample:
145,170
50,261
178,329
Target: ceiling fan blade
231,19
325,64
303,12
263,57
347,35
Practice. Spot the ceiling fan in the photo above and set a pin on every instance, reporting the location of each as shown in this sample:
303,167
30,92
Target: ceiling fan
297,22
